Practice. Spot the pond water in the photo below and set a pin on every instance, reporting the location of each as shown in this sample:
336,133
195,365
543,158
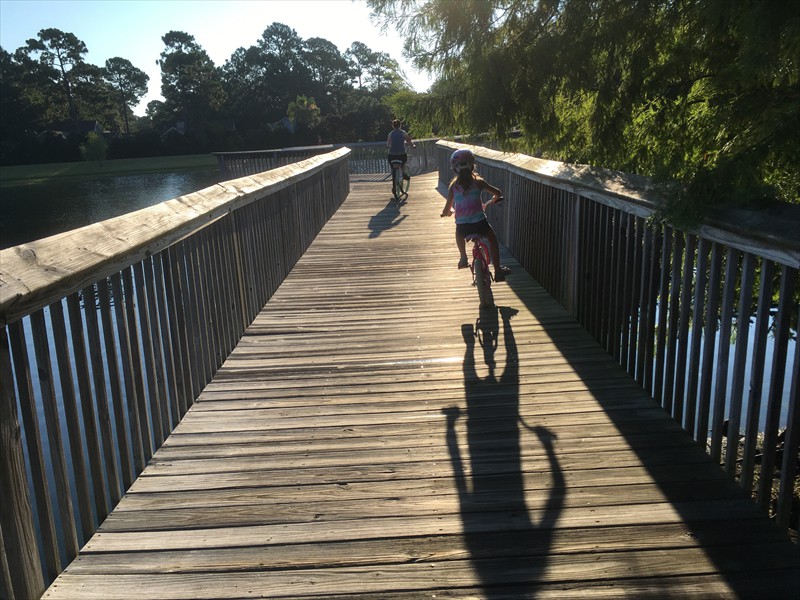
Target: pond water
31,212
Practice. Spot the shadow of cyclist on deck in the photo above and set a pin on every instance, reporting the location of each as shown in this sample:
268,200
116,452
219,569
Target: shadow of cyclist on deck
388,217
508,547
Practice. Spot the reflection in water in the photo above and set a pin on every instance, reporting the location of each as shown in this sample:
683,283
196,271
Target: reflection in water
31,212
506,546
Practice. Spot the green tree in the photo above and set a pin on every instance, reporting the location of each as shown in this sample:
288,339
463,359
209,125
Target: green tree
22,101
190,84
242,76
158,115
374,71
281,67
261,80
37,84
303,111
94,97
129,85
706,92
94,148
359,56
284,71
62,54
329,73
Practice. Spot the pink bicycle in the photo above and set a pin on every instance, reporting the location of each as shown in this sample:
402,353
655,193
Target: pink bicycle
481,274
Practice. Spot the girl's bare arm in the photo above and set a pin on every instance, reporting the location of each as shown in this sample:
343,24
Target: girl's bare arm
446,212
495,192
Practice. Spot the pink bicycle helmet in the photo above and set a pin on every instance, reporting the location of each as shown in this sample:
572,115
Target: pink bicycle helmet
461,160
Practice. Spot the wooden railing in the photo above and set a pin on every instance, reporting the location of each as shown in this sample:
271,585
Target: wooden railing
111,331
367,159
673,307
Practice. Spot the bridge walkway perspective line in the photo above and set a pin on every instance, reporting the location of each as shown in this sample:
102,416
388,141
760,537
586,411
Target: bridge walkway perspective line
375,434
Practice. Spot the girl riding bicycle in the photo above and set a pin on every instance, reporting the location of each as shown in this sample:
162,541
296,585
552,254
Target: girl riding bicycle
464,195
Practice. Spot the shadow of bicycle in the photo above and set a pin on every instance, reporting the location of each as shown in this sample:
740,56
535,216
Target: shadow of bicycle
388,218
508,541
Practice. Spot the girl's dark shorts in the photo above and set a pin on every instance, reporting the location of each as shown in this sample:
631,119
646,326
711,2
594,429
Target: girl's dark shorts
480,228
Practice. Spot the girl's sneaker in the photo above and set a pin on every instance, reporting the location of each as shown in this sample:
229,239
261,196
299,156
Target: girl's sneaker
463,263
500,274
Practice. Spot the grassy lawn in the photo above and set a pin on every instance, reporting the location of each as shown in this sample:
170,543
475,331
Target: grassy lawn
33,174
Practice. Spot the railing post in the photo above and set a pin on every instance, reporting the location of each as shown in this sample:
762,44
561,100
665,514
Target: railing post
769,453
241,285
573,266
26,579
791,444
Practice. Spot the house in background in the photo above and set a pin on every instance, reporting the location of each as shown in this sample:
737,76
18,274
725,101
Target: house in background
65,128
178,129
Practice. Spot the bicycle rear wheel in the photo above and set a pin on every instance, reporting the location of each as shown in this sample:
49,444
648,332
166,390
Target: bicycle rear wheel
397,187
404,184
483,282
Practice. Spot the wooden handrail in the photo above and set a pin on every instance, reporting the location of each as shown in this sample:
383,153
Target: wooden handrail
366,158
756,231
116,328
33,275
663,301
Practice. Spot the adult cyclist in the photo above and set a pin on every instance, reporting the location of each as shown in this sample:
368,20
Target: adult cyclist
396,144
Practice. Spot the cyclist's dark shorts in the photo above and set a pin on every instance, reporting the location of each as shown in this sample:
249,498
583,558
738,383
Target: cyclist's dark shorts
480,228
391,157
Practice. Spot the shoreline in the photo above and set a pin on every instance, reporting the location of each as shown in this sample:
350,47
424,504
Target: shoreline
23,175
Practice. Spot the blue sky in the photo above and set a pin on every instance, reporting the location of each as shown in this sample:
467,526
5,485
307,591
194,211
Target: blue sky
132,29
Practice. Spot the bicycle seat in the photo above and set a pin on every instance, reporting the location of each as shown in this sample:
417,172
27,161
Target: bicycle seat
475,237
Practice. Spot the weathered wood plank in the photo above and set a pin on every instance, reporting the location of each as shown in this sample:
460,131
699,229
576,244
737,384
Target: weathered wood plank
423,574
382,499
338,476
564,542
311,531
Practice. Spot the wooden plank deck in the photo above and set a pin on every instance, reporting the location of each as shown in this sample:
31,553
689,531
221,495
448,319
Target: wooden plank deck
360,442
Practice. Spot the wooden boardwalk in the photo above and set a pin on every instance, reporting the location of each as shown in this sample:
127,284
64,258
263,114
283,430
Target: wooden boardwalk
362,442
